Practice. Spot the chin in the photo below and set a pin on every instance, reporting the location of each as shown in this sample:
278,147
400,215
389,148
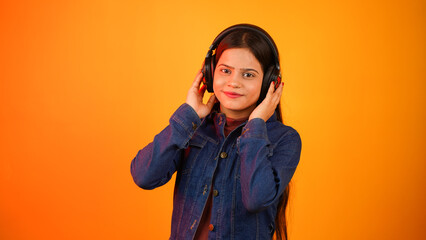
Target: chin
237,107
235,104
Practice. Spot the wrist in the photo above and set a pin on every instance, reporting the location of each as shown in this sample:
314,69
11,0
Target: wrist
256,116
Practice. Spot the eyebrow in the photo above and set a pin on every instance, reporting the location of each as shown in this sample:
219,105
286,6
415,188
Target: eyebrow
246,69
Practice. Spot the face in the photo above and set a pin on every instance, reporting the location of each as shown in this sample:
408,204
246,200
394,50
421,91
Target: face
237,82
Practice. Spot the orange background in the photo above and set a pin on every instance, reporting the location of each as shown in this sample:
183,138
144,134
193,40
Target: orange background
85,84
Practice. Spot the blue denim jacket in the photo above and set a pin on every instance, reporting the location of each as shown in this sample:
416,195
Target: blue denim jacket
247,171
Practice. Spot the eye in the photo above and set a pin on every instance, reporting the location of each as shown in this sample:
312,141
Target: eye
248,75
225,70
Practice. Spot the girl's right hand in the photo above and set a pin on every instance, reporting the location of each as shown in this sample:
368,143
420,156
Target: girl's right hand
195,97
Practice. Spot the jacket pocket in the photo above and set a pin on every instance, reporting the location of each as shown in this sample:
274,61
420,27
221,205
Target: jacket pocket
191,153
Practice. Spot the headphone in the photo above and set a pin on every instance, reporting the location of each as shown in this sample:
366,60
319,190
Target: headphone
272,73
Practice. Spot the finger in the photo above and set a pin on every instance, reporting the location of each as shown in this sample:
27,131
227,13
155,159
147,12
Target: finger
202,89
280,89
278,92
211,101
197,80
270,90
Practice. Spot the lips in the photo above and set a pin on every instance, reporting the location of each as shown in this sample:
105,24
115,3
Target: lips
232,94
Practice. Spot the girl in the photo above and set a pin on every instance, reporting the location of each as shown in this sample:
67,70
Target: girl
233,156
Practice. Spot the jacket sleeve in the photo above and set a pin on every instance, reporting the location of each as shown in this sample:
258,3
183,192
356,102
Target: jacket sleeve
266,168
155,164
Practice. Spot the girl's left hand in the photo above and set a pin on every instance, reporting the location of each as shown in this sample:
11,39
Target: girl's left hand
267,107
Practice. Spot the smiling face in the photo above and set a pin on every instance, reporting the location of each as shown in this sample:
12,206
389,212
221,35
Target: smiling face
237,82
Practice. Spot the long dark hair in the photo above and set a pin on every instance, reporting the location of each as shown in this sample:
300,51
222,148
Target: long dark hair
259,47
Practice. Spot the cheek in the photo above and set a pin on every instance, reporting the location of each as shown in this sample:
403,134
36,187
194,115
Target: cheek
215,87
255,88
217,84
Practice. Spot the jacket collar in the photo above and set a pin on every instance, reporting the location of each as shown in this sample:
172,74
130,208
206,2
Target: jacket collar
216,111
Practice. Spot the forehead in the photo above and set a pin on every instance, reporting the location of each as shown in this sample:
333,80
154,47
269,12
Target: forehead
239,58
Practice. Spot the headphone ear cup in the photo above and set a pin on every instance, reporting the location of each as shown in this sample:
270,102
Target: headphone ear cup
212,69
268,77
207,72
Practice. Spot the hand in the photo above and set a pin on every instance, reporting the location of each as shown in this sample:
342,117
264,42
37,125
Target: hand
267,107
195,97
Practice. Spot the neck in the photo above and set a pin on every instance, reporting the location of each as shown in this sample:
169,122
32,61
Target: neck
240,114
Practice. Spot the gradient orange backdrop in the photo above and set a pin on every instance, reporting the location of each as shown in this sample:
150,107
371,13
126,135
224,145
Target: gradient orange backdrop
85,84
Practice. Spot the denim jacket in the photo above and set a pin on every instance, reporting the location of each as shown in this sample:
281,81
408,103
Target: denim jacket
247,171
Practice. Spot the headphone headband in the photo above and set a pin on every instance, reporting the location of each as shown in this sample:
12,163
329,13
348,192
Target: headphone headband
245,26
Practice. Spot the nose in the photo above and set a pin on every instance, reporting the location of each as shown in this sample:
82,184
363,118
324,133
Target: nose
233,81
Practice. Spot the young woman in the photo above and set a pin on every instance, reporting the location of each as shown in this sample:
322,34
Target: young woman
233,156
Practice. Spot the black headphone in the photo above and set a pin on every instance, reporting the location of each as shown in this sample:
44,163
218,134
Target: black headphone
272,74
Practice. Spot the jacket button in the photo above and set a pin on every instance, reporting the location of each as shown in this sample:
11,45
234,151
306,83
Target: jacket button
211,227
194,126
223,155
215,193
